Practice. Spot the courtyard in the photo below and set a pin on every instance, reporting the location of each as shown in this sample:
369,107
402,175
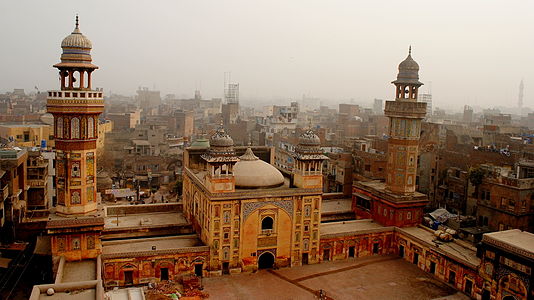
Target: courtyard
375,277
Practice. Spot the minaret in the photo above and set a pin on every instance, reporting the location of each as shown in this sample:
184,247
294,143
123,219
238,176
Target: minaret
75,107
307,172
220,160
405,115
520,98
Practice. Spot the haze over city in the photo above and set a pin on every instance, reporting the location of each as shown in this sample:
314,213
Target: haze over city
470,52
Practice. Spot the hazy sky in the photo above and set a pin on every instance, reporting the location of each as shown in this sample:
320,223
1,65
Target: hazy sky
474,52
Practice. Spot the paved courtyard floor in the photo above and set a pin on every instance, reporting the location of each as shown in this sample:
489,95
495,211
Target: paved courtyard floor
369,278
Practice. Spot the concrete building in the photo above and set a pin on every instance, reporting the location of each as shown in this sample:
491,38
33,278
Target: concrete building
506,197
26,135
148,100
378,106
13,164
426,98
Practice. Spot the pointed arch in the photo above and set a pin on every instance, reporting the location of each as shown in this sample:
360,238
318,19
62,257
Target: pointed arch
59,127
75,128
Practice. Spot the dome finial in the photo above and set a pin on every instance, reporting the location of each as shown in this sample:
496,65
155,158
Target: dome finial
77,21
410,50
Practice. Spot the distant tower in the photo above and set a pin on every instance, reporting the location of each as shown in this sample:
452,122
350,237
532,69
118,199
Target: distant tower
230,109
75,107
405,115
520,98
468,114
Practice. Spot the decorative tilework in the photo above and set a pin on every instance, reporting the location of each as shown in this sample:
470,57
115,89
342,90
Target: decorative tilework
286,205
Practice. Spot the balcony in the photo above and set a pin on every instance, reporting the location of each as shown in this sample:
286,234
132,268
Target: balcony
4,193
405,109
72,94
57,101
37,183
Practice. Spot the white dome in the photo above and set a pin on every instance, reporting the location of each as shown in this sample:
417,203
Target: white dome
252,172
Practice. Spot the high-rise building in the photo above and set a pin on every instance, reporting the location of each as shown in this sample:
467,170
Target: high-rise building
426,98
75,107
378,106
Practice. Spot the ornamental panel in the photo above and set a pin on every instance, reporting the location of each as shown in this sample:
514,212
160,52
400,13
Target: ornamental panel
286,205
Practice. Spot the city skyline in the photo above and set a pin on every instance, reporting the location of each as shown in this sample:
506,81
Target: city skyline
333,52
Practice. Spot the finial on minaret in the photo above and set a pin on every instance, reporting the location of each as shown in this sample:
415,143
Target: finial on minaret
77,21
410,50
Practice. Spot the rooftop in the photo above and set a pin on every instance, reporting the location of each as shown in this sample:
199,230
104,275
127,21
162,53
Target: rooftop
344,228
152,246
75,271
24,125
379,187
336,206
458,250
144,220
514,240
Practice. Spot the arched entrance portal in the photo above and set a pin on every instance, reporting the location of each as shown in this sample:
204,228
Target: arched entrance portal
509,298
266,260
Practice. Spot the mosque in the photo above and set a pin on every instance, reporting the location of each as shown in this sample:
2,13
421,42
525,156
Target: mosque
240,214
247,212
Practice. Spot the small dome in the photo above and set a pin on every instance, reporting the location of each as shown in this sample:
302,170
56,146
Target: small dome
76,39
408,70
252,172
221,139
309,138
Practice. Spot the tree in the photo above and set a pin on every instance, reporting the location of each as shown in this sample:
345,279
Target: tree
476,175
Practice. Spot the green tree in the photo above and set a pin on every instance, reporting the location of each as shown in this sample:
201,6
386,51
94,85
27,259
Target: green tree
476,175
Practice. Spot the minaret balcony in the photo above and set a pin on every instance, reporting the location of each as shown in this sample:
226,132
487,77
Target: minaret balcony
408,109
84,101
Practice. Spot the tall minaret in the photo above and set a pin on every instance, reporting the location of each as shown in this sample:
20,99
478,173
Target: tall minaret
520,98
75,107
405,115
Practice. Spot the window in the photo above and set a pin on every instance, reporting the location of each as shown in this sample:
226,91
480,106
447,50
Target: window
76,244
90,127
75,128
90,242
307,210
226,216
305,245
452,277
267,223
59,128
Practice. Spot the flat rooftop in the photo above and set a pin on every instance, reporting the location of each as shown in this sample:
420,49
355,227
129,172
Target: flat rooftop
138,221
152,246
380,188
334,229
74,271
336,206
88,294
515,240
457,249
